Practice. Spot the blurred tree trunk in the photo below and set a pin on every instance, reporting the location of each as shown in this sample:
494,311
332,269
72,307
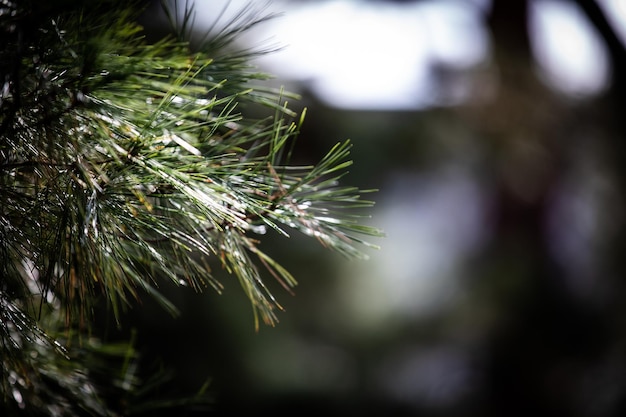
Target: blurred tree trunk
544,340
613,104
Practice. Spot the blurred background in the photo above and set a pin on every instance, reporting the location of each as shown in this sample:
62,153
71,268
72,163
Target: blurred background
494,133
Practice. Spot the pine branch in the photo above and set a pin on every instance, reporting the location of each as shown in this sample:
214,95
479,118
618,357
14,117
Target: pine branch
124,163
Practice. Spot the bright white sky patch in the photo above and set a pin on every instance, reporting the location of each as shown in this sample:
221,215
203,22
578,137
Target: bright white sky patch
453,32
353,55
367,55
616,14
570,54
379,55
373,55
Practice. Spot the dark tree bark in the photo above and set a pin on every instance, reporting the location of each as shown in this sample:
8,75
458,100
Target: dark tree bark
541,353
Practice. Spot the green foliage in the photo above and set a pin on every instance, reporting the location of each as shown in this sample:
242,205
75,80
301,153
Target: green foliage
124,162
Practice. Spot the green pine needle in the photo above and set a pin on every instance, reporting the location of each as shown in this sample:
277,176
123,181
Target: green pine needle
124,163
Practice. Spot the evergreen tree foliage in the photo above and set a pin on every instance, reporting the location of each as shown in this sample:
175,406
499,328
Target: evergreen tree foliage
124,163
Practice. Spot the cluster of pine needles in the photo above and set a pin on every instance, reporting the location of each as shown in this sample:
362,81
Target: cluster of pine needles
125,162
